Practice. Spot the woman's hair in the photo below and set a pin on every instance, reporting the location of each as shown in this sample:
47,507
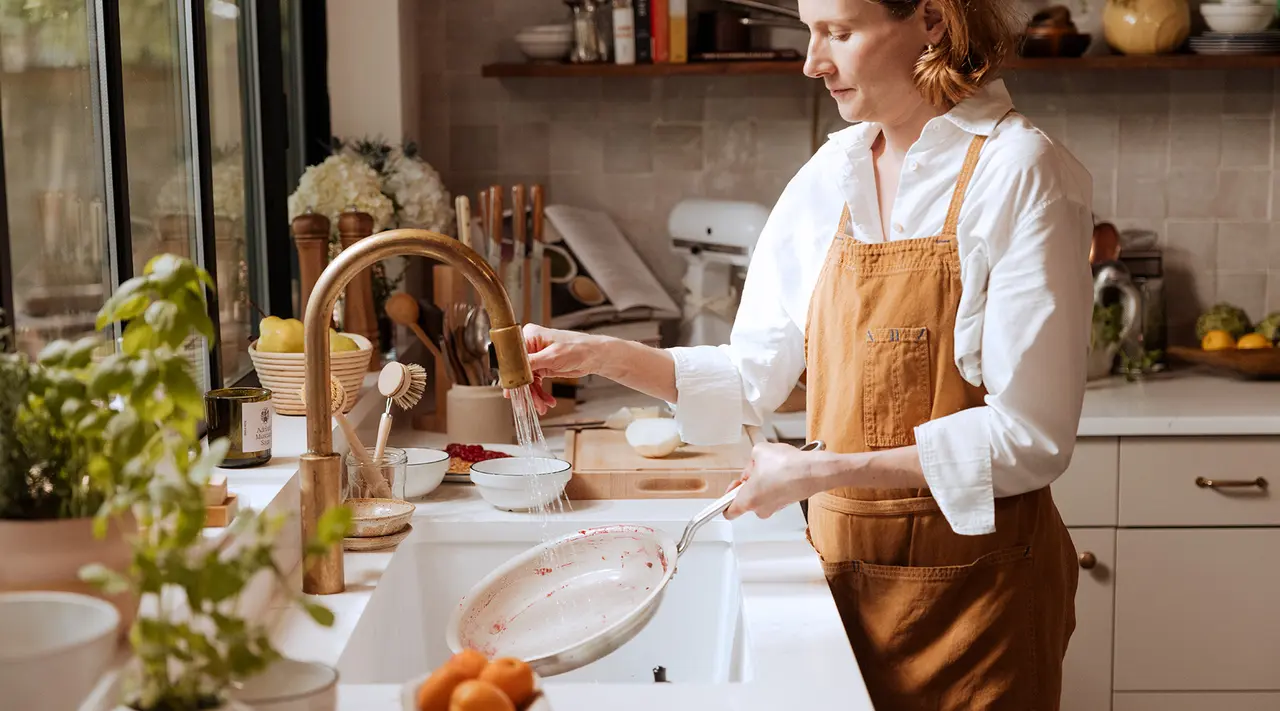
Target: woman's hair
979,35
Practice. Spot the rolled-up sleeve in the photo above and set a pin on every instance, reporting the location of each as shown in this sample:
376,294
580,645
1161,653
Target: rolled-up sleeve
1035,341
721,388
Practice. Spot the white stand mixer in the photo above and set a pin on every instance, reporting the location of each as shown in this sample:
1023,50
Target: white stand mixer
717,239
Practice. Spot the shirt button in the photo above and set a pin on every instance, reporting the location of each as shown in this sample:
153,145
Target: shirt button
897,227
914,165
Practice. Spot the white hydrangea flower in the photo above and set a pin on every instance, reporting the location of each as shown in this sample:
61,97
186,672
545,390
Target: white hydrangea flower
421,198
342,182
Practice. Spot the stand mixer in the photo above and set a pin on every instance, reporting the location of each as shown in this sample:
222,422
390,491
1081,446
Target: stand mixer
716,238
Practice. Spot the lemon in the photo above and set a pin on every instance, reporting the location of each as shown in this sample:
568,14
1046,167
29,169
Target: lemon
1217,341
339,342
1253,340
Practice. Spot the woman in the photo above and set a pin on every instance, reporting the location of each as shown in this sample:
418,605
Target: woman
928,270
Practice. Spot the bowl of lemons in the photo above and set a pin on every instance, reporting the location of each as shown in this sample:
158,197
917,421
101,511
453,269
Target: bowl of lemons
278,357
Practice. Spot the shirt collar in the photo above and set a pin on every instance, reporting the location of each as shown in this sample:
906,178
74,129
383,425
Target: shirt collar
977,115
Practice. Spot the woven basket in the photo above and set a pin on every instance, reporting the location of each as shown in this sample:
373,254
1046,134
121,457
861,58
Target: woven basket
284,374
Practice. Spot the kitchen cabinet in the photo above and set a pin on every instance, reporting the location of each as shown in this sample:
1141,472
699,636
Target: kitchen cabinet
1087,670
1175,608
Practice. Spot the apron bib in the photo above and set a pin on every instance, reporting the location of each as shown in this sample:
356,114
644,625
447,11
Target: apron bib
938,621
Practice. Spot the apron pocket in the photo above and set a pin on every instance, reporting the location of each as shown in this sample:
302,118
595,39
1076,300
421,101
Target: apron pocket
944,638
897,392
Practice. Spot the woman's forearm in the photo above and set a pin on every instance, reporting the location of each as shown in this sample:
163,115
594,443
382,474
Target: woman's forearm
897,468
642,368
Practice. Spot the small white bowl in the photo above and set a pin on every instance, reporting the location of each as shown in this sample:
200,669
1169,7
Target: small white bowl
521,483
1238,18
557,30
425,471
54,647
543,49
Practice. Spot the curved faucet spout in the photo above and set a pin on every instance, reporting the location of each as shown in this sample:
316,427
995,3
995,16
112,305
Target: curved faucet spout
319,471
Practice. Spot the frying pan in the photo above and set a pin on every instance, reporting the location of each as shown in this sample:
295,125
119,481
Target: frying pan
568,602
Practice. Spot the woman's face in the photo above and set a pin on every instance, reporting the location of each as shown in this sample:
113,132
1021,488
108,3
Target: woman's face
866,57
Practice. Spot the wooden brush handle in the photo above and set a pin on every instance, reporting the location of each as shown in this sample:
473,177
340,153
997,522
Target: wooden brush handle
384,431
368,469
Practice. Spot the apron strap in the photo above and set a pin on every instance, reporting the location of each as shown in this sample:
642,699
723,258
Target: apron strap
962,181
843,227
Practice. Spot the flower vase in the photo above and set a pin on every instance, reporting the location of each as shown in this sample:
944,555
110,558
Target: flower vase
1146,26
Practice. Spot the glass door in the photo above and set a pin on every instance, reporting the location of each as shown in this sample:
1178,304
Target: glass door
134,128
59,267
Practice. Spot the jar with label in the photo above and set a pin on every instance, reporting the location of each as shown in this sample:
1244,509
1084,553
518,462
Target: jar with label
243,416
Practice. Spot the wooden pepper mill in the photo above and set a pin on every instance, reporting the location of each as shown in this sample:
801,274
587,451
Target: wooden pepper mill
358,315
311,236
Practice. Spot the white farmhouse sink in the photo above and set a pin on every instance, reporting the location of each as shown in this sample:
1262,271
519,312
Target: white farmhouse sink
697,634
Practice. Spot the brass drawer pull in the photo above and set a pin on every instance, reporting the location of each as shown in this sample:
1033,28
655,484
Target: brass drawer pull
1088,560
1204,483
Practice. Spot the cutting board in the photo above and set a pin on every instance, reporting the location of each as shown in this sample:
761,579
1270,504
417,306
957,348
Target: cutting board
606,467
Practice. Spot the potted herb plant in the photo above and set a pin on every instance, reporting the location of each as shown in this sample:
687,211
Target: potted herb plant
48,497
190,643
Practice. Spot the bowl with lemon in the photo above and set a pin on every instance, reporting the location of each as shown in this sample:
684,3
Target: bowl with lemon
1230,342
281,364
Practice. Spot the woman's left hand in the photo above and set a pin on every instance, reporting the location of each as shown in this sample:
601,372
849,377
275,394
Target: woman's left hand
778,475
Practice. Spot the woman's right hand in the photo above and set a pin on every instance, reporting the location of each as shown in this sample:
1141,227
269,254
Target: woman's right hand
554,353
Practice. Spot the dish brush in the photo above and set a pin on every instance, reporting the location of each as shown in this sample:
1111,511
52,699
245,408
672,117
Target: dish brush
403,385
369,471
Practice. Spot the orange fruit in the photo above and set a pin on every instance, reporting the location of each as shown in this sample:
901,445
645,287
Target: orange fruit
477,695
435,692
469,662
513,676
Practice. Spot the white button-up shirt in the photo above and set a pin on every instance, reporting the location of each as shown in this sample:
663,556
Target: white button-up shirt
1022,327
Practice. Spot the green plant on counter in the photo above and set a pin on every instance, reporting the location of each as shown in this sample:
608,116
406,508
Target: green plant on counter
133,415
1106,325
43,462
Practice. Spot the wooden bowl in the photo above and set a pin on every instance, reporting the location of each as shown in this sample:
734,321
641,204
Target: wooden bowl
374,518
1051,42
1248,363
284,374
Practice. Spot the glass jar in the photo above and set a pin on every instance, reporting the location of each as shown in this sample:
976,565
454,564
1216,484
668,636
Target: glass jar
361,483
243,416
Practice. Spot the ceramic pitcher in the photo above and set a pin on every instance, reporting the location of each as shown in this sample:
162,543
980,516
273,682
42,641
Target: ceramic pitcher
1146,26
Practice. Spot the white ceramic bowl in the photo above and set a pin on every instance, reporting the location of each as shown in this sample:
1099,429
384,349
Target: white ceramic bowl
1238,18
54,647
425,471
544,48
562,30
290,685
521,483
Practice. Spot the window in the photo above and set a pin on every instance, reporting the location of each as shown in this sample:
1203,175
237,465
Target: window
134,128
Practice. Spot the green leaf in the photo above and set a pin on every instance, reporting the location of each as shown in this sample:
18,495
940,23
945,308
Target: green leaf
54,354
162,316
108,581
130,308
321,614
137,337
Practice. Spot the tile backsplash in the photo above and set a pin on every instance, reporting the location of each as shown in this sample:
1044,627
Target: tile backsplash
1188,154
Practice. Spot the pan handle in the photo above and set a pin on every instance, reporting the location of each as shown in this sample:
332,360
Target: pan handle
719,505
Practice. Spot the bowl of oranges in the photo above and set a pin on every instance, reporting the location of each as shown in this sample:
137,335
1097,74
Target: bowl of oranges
469,681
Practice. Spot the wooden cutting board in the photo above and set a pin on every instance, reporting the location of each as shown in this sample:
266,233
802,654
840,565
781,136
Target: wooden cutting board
606,467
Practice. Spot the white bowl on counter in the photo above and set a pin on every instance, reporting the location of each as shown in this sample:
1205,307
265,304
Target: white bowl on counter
521,483
1237,18
425,471
54,647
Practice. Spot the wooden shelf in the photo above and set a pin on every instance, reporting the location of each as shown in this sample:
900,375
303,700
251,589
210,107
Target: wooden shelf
1115,62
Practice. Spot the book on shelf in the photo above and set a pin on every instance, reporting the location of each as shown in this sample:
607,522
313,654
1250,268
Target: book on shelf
597,276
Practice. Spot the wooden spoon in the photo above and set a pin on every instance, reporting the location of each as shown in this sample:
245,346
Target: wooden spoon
403,309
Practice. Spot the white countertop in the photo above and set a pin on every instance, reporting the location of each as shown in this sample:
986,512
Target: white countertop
1180,403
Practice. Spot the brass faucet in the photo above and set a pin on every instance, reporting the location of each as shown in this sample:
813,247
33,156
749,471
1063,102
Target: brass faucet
319,472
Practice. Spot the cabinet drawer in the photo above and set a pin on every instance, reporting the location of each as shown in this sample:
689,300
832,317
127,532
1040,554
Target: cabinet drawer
1086,671
1158,481
1086,491
1196,610
1239,701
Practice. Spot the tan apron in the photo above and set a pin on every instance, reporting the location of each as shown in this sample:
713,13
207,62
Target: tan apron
937,620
